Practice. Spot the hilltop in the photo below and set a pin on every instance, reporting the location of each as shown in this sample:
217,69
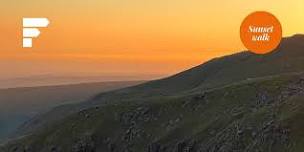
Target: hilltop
241,102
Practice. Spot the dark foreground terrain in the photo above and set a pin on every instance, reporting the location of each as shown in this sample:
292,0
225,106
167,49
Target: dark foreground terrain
240,103
18,105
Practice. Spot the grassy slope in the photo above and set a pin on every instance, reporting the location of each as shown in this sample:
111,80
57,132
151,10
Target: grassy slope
288,58
18,105
263,114
240,111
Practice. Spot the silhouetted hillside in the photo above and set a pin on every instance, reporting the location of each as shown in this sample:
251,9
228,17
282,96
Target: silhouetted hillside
18,105
242,102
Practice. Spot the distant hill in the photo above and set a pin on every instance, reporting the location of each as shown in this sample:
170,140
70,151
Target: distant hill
67,79
241,102
18,105
288,57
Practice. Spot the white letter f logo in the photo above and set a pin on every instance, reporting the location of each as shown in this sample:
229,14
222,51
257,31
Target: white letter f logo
30,30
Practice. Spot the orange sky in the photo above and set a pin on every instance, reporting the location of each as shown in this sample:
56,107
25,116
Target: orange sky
129,37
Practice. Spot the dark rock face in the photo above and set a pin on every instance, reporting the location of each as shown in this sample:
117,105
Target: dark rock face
84,145
154,148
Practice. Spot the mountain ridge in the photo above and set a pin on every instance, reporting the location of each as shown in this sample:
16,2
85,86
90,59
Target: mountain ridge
207,75
214,68
131,112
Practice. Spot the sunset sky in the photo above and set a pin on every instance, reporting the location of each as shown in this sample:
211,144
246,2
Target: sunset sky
129,37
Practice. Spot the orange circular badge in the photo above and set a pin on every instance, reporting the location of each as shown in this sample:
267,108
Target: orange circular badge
261,32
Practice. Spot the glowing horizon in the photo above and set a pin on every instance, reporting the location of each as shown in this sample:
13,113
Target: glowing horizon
158,37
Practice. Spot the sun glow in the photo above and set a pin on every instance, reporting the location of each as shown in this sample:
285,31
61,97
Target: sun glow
167,36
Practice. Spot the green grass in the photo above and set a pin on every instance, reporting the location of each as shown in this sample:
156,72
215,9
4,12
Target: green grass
211,121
